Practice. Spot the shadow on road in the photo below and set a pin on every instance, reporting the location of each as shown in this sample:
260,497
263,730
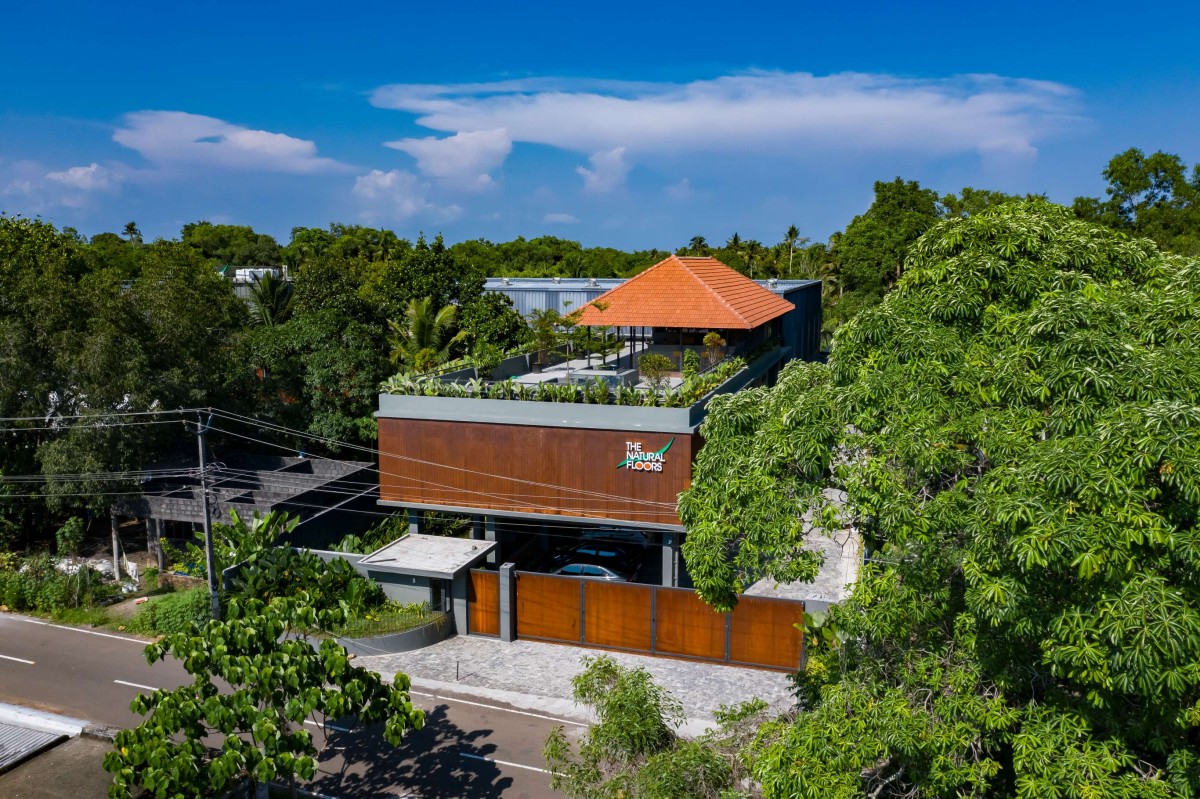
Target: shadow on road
362,765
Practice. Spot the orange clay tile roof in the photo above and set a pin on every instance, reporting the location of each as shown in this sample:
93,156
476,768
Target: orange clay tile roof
687,292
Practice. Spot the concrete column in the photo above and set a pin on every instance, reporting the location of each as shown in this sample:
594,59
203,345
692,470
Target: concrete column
154,541
116,545
458,599
489,534
670,560
414,522
508,603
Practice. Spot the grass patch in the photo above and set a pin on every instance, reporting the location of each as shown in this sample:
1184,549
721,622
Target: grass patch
172,613
389,619
84,617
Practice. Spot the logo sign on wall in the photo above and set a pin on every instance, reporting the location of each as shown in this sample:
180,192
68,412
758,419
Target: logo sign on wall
641,461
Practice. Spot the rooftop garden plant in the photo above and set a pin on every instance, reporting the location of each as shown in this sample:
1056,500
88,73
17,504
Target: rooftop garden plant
596,392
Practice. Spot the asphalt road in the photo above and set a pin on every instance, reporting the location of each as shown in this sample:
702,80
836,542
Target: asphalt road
467,748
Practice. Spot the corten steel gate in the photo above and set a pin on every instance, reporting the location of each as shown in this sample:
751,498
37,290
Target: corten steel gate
660,621
483,600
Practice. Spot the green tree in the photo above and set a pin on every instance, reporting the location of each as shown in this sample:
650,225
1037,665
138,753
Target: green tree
1014,432
428,269
655,368
632,750
70,536
233,245
131,233
424,339
792,239
256,680
971,201
491,320
270,300
1152,196
714,347
698,246
870,253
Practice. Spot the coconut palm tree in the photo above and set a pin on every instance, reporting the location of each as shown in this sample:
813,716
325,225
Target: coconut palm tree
698,245
753,253
793,239
270,300
423,340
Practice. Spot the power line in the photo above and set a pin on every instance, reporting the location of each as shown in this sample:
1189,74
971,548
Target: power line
455,492
98,415
97,426
381,453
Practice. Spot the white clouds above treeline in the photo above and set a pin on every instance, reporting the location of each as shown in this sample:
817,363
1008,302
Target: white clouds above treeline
615,123
176,138
612,128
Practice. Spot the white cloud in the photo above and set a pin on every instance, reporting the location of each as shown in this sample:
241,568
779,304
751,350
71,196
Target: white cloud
784,112
177,138
86,178
38,190
397,194
463,160
559,219
607,173
680,191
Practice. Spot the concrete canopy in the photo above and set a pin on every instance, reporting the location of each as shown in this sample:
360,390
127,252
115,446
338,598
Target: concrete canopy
427,556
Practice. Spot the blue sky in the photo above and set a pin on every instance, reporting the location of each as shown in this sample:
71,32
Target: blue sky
619,124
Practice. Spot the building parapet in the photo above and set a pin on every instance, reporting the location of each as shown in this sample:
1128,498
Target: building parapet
573,414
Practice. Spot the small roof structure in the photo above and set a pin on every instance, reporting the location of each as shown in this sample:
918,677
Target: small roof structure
427,555
681,291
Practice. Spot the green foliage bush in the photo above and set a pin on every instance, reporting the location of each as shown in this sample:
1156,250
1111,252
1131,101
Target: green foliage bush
38,586
70,536
691,364
595,393
173,613
283,572
655,368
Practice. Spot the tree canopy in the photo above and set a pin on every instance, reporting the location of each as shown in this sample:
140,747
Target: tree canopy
1015,431
1152,196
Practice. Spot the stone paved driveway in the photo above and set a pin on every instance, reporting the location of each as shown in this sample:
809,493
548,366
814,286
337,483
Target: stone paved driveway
538,675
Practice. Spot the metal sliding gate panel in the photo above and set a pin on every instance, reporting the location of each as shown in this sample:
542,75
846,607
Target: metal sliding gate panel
658,620
687,627
549,607
618,615
763,632
483,600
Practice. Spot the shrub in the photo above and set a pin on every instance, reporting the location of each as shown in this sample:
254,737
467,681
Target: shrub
655,367
38,586
70,536
284,572
172,613
714,346
691,364
150,579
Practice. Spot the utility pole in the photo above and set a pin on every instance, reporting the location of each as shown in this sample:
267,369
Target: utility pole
211,566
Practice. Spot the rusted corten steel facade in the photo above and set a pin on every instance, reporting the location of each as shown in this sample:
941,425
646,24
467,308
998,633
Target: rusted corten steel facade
629,476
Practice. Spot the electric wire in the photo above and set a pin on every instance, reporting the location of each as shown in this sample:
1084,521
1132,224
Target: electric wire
455,492
381,453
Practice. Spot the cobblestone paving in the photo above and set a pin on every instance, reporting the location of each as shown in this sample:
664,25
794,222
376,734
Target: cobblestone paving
544,671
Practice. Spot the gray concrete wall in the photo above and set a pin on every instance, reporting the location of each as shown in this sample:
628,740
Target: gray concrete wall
406,641
458,600
403,588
